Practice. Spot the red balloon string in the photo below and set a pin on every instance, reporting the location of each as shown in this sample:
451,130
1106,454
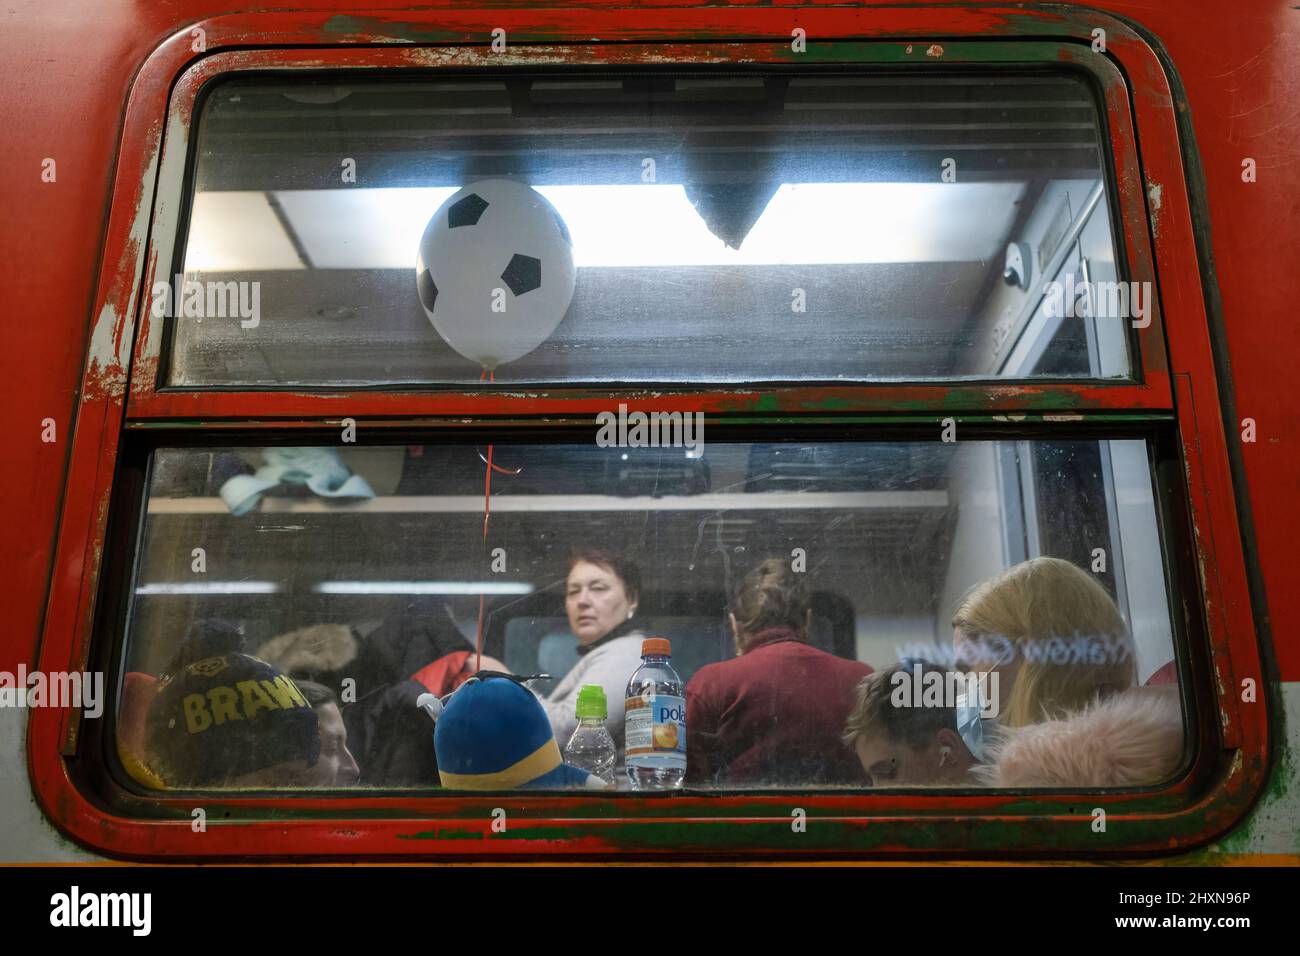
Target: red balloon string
487,514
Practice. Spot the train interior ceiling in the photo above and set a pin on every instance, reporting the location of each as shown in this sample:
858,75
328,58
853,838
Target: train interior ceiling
696,206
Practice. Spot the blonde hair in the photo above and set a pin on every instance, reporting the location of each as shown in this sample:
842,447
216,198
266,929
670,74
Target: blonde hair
1072,643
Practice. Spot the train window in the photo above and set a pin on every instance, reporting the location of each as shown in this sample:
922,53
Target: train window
984,613
787,227
959,532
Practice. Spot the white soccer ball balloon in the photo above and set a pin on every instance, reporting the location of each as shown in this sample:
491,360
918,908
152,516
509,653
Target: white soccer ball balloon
495,270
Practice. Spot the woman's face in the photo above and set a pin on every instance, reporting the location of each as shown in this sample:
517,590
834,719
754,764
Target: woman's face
595,601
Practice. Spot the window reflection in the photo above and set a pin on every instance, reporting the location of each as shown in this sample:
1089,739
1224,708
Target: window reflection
855,228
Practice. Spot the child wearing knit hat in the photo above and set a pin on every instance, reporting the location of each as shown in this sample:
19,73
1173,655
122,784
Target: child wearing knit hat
230,720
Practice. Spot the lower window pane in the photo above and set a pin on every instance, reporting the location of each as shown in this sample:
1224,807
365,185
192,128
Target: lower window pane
763,615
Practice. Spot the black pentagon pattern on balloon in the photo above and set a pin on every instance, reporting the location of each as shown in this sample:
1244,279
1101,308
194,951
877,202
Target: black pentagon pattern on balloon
467,211
524,274
428,291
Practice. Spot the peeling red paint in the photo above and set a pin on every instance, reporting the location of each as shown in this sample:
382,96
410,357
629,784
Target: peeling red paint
104,383
1154,193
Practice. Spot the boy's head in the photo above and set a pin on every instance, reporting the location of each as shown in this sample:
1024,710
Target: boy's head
900,741
336,766
231,721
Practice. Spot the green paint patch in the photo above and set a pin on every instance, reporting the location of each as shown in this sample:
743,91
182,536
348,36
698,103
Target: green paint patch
444,834
403,31
1279,799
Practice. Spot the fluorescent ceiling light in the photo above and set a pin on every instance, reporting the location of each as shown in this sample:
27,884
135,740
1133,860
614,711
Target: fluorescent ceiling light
237,232
209,587
423,587
803,224
622,226
361,228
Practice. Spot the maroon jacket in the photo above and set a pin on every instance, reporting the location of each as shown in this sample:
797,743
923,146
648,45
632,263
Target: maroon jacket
772,716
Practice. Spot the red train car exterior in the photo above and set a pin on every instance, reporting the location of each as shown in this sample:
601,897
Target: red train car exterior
106,90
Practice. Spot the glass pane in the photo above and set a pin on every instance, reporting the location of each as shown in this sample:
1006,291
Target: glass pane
911,614
645,228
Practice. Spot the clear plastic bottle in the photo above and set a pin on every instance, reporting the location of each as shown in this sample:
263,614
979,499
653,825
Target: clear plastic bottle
654,721
591,748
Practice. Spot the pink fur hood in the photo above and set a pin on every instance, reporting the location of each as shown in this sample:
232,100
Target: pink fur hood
1131,739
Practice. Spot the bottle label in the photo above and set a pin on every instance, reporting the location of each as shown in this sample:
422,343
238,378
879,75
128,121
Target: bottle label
655,725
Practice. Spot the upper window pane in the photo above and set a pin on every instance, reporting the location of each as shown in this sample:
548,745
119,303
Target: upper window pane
665,228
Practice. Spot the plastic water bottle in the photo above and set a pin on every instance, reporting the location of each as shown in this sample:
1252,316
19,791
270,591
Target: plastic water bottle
591,748
654,721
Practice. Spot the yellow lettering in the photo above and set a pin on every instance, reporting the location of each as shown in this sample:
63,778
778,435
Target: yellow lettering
289,687
197,718
225,705
282,691
255,698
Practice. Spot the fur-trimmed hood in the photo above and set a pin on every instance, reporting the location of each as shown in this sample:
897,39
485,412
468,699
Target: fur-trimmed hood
315,649
1131,739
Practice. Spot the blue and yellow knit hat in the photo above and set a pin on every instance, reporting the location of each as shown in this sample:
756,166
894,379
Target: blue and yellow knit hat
493,734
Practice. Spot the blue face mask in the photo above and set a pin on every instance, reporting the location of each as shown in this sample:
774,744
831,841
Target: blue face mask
969,723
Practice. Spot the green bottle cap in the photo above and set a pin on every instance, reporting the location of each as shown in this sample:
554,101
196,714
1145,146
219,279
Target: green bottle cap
591,702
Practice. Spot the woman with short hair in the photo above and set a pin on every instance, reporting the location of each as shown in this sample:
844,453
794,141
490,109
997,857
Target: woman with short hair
601,593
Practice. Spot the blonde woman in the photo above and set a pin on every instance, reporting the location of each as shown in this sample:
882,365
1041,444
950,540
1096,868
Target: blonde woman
1069,713
1051,633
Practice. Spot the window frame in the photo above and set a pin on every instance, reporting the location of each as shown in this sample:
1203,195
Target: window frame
122,396
151,396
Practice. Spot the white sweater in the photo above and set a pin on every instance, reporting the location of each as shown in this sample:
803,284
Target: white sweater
609,665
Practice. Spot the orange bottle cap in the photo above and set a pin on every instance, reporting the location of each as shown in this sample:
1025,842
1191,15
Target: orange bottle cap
656,646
